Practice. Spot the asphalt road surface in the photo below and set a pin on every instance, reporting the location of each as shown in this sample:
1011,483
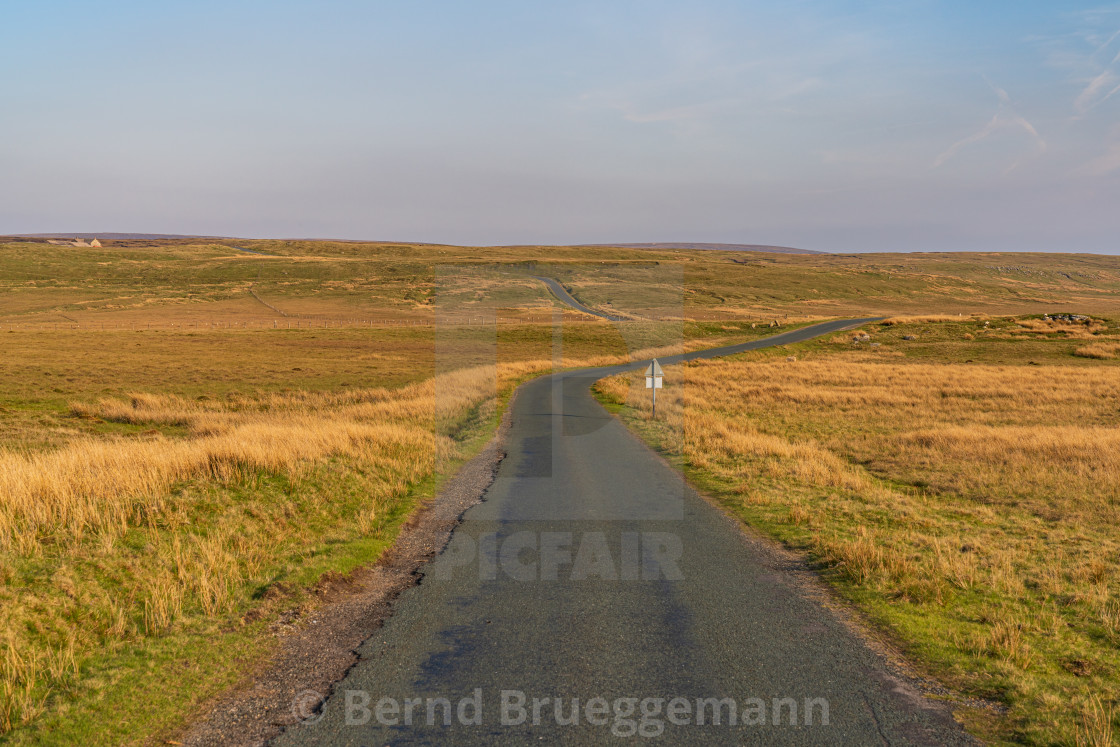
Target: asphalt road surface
593,582
559,291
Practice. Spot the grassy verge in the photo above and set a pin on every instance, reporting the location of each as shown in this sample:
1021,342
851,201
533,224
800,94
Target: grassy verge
265,541
115,631
954,478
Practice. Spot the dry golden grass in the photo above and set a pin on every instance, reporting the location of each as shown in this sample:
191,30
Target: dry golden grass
1096,729
87,504
972,508
1083,330
109,485
92,486
921,319
1100,351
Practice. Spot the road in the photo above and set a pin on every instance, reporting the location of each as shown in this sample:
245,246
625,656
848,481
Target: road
591,570
560,292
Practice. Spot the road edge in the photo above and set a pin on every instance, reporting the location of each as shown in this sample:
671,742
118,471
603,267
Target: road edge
320,649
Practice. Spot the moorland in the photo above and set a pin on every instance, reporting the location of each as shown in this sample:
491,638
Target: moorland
194,433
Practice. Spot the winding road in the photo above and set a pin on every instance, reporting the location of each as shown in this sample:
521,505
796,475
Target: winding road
593,595
560,292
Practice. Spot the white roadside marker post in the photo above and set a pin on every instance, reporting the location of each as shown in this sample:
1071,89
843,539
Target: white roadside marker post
654,377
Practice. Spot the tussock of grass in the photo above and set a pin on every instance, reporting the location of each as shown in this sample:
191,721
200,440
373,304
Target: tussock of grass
922,319
1100,351
1084,330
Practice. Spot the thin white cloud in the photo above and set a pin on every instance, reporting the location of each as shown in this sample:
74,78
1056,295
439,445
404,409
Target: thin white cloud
1110,94
1004,119
1090,96
1107,44
1004,98
1091,57
1103,85
976,137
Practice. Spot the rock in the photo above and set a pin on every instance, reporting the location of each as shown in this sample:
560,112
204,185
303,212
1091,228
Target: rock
909,337
1067,318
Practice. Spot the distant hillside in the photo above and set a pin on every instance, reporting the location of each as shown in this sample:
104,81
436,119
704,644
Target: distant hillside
113,236
182,237
717,247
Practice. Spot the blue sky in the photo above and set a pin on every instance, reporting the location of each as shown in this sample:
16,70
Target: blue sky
842,126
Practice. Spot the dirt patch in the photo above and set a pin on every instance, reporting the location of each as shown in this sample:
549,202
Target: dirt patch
318,647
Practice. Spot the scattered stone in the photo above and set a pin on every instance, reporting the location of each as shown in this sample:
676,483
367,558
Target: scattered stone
1042,273
1067,318
909,337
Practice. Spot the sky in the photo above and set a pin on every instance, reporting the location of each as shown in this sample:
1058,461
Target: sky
900,125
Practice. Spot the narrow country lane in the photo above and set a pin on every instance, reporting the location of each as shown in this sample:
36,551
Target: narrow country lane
592,571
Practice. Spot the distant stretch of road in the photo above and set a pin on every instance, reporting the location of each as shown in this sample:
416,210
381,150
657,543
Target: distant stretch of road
559,291
593,586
